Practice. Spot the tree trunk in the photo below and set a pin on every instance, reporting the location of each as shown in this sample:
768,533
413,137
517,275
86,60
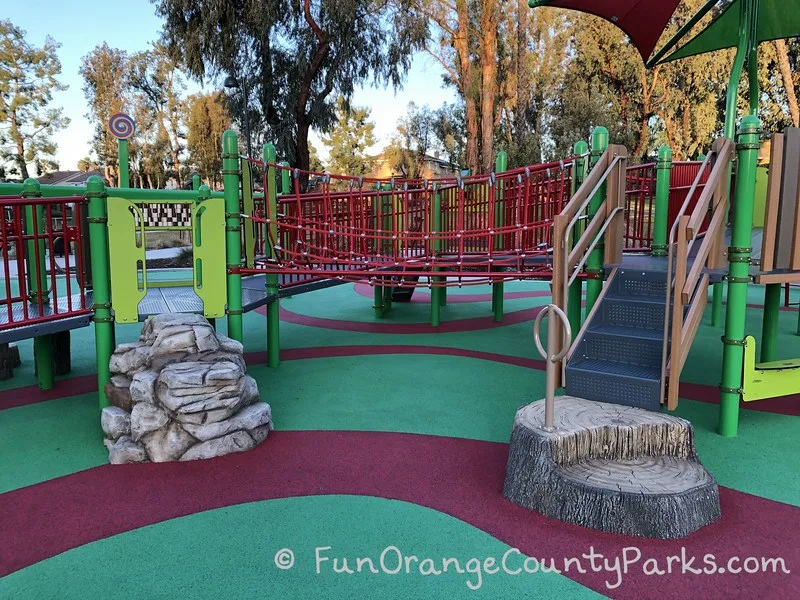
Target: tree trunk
522,92
461,43
788,82
16,136
488,83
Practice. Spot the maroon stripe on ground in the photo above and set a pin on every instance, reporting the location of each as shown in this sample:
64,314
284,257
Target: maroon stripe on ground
462,478
31,394
421,297
787,405
473,324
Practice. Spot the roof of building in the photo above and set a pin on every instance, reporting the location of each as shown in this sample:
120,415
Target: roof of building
68,177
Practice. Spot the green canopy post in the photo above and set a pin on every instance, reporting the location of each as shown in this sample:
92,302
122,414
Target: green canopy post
738,276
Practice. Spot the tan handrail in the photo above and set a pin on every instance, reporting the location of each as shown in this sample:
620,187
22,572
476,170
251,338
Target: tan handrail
691,284
568,259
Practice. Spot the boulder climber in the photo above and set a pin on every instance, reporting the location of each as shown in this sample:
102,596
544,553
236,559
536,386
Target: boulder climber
181,392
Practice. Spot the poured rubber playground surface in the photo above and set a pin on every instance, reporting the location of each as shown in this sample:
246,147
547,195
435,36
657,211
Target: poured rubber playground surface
384,476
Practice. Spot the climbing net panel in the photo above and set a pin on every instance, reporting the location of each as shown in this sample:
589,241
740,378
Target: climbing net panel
475,229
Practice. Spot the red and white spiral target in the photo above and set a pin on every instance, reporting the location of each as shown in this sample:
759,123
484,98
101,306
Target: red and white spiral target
121,126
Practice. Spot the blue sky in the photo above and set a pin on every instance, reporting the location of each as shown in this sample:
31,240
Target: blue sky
80,25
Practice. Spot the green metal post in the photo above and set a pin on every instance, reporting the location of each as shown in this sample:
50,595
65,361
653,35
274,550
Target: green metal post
661,212
769,330
436,292
286,179
738,276
195,181
752,58
274,307
37,281
101,282
500,165
233,244
594,264
575,291
742,50
122,159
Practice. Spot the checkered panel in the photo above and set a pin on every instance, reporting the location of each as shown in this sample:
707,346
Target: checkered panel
166,215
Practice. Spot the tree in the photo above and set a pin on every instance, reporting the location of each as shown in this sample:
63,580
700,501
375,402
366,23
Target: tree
414,138
295,57
156,78
207,118
86,164
350,139
27,82
106,86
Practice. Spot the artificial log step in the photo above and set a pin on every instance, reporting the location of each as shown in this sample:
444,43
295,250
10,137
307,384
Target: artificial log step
610,467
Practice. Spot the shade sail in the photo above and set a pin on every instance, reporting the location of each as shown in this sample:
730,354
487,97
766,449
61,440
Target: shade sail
642,20
777,19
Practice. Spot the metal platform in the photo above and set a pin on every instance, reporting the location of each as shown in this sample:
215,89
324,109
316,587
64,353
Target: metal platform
31,330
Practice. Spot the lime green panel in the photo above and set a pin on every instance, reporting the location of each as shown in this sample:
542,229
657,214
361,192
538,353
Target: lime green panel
248,207
768,380
127,259
208,218
776,19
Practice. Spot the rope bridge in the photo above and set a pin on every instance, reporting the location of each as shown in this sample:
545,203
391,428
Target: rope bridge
472,230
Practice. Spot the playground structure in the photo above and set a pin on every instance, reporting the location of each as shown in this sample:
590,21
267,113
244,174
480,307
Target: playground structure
624,230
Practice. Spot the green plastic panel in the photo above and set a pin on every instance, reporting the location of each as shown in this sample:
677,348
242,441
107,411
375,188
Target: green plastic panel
777,19
768,380
248,207
127,260
209,256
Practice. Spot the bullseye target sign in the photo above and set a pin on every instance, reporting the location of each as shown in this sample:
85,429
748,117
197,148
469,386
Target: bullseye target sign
121,126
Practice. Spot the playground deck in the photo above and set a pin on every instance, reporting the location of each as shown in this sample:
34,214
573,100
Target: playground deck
390,433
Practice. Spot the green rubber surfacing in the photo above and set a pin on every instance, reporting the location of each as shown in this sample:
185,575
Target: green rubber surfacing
187,557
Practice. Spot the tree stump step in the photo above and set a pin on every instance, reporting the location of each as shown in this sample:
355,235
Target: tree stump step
610,467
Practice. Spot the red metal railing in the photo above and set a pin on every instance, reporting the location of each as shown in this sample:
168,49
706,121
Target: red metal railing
640,193
37,287
640,205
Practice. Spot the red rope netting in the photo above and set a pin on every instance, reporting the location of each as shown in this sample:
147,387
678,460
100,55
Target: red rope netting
481,228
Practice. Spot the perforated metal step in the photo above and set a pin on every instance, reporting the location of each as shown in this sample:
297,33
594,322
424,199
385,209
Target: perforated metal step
614,382
616,346
618,359
637,313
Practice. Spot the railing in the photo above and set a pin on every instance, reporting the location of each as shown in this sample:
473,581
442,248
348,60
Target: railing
43,261
608,221
640,198
640,189
474,227
690,280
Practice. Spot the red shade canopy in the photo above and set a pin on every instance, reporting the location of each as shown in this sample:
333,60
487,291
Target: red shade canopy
642,20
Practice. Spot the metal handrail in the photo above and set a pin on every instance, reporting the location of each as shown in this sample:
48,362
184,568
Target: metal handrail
708,189
598,236
551,356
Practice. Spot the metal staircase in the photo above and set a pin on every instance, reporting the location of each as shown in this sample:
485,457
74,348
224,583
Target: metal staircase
636,338
618,356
